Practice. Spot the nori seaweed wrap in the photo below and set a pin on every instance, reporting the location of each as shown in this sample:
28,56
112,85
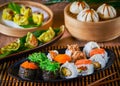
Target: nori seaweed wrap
29,70
50,69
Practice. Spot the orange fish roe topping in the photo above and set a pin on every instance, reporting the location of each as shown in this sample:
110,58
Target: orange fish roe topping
29,65
97,51
83,61
62,58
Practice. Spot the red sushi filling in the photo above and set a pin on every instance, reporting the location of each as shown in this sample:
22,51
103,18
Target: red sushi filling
82,68
97,51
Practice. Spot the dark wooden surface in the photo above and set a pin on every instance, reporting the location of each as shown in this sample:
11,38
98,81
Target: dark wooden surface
114,45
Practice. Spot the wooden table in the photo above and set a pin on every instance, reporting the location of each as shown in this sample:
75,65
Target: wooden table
114,45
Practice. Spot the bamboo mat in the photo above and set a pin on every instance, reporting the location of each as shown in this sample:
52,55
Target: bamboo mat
6,80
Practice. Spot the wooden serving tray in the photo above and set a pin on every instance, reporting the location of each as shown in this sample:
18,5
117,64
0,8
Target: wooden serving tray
96,31
17,32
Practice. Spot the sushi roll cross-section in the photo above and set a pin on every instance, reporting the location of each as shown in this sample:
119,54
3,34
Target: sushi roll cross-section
84,67
68,70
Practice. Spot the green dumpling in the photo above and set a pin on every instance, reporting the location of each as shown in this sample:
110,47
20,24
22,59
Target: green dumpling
14,46
31,40
26,11
47,36
8,14
21,19
37,18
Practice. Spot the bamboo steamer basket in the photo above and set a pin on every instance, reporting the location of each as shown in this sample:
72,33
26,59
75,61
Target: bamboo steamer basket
90,31
17,32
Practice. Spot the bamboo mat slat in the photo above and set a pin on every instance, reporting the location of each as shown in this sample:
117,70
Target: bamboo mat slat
6,80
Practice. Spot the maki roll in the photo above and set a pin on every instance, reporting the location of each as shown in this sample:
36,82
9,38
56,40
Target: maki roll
84,67
52,54
28,70
8,14
62,58
74,52
68,70
37,18
98,58
26,11
20,19
89,46
50,69
31,41
100,51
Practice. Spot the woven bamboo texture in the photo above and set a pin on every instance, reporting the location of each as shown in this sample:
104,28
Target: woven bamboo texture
6,80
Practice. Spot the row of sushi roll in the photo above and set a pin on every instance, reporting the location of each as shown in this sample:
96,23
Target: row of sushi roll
72,63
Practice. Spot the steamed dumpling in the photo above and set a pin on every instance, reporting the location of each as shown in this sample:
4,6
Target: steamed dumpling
37,18
20,19
77,7
88,15
106,11
7,14
26,11
31,41
47,36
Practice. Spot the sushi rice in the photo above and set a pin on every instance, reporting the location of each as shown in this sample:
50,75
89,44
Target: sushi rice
99,58
71,70
89,46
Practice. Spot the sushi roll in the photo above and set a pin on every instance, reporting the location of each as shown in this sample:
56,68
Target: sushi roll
68,70
84,67
98,58
52,54
77,6
71,49
28,70
31,41
100,51
74,52
8,14
50,69
89,46
77,55
62,58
